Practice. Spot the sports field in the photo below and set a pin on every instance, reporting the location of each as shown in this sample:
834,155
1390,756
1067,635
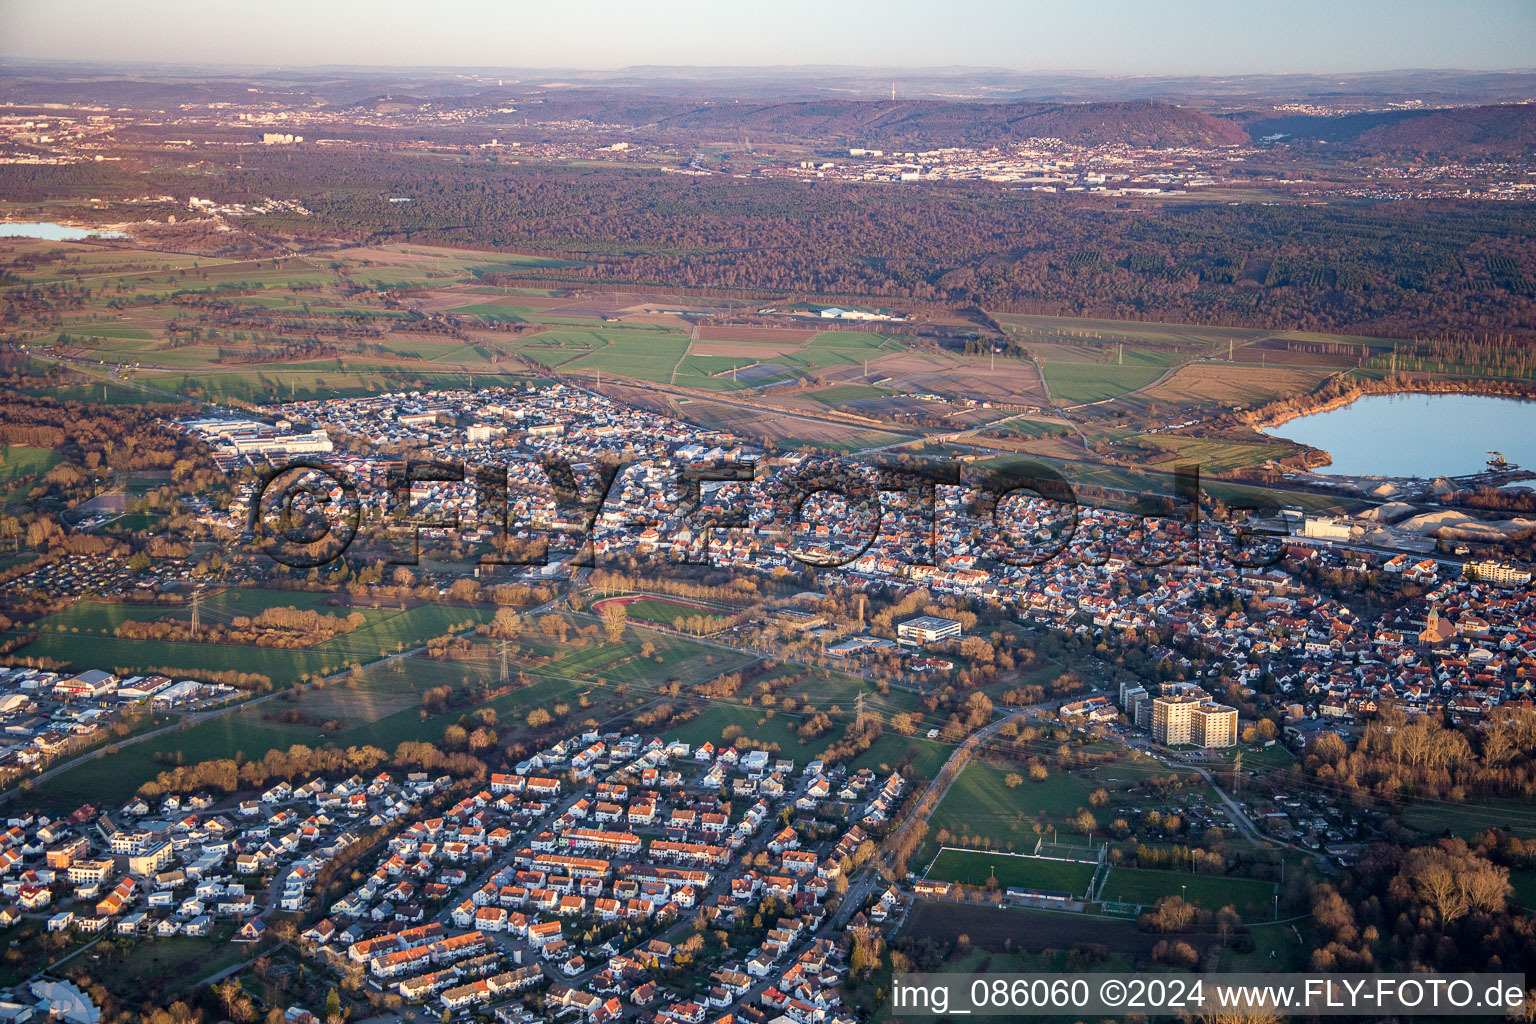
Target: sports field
973,867
665,612
1254,899
981,806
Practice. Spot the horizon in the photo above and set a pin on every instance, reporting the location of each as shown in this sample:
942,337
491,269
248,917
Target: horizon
871,70
1307,37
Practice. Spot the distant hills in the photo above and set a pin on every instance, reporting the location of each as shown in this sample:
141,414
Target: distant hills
897,123
839,107
1505,129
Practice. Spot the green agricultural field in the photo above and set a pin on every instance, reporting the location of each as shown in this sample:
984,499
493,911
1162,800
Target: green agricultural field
1081,330
970,867
423,261
95,265
1077,383
1254,899
843,348
857,442
713,373
297,382
981,807
1214,456
105,330
644,355
232,277
1024,427
495,312
844,393
102,393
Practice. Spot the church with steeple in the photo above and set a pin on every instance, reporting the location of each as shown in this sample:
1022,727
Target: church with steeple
1436,630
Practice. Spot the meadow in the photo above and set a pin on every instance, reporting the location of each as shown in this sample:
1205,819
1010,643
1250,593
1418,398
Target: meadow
382,705
18,462
1471,819
82,635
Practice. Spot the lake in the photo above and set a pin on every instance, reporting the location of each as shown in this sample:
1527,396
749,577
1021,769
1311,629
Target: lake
1418,435
53,232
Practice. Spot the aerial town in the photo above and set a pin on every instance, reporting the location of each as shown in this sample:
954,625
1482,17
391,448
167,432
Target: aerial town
609,515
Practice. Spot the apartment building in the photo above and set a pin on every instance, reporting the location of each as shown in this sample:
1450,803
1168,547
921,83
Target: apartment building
1193,719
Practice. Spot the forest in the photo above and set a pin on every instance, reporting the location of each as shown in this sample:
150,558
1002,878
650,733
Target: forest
1446,270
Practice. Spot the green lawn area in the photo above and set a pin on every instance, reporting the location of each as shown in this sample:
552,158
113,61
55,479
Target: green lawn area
973,868
761,728
1264,758
1253,899
672,658
980,806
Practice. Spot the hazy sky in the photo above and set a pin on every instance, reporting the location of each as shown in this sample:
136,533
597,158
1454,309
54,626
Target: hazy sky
1108,36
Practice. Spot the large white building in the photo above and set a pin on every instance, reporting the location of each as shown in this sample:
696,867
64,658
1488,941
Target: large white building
926,629
253,437
1489,570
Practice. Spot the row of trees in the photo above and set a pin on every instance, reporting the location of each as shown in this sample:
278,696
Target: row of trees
1397,758
230,775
